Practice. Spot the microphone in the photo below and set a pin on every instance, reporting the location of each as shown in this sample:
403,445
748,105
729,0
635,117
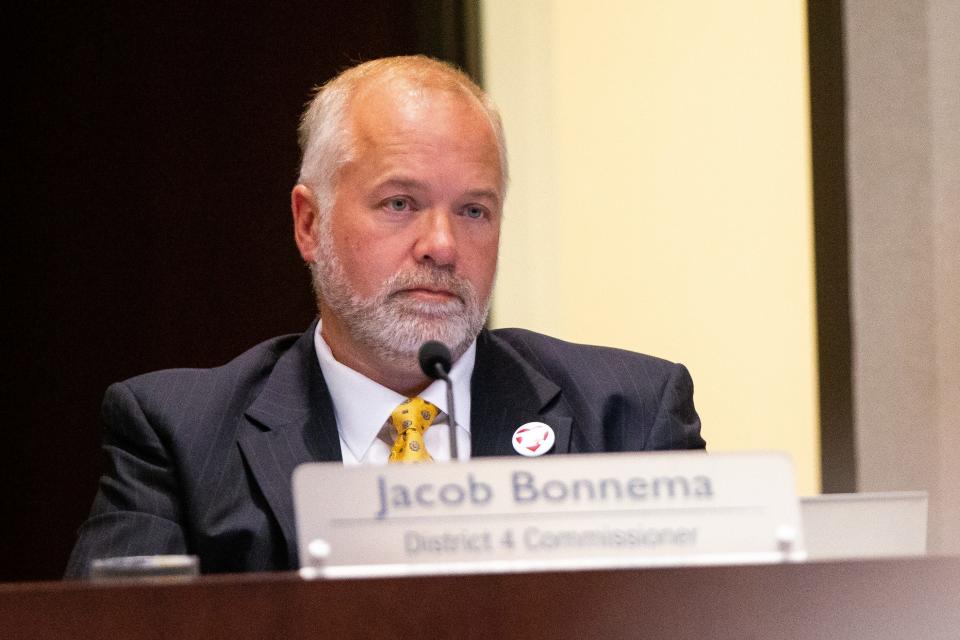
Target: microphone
436,362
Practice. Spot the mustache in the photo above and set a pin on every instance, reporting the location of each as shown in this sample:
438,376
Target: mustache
430,278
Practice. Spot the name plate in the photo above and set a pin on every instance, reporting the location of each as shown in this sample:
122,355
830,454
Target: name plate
526,514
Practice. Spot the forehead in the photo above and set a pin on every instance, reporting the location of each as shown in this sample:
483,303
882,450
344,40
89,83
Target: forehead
393,111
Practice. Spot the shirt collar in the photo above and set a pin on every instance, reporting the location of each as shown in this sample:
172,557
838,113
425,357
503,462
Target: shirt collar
362,406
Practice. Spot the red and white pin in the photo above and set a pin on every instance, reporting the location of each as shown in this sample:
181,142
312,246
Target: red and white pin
533,439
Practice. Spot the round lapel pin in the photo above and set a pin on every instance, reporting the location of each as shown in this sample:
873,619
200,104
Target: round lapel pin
533,439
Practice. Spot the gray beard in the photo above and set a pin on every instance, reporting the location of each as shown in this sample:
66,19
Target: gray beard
392,325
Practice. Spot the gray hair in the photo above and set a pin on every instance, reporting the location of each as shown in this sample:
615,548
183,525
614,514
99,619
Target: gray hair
325,134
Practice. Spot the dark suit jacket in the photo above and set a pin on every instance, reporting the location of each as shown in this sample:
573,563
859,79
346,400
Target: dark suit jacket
200,460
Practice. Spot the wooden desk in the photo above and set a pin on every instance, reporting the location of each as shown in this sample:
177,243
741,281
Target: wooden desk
876,599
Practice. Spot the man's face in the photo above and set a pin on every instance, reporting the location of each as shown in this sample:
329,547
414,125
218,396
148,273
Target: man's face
408,251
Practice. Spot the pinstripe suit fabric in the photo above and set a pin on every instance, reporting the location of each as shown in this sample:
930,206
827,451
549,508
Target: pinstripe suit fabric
199,460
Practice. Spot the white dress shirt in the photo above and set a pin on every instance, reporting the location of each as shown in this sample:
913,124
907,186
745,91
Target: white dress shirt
363,407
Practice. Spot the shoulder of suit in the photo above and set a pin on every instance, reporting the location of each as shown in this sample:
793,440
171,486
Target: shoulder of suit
548,353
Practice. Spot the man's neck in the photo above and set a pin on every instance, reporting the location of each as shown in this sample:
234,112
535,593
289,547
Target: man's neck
403,377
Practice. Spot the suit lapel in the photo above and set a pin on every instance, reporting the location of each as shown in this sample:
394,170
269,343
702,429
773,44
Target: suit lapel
508,392
290,422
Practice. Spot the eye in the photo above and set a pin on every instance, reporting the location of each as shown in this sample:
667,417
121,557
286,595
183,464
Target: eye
398,204
475,211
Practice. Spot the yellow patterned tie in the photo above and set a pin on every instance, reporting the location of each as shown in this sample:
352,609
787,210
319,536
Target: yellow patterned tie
411,419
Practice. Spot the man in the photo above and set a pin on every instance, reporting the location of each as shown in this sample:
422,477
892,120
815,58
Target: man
397,213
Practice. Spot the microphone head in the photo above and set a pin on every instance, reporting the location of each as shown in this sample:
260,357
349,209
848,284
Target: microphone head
433,353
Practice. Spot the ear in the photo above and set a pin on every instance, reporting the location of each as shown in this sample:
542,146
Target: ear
303,202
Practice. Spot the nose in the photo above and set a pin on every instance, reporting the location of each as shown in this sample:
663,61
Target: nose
435,241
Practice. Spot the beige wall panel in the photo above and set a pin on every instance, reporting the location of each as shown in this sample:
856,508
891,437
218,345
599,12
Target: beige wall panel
903,78
943,19
661,197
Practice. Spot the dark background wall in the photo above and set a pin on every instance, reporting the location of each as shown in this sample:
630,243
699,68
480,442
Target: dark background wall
150,151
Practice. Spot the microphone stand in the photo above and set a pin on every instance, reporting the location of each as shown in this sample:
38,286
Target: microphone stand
436,362
451,414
